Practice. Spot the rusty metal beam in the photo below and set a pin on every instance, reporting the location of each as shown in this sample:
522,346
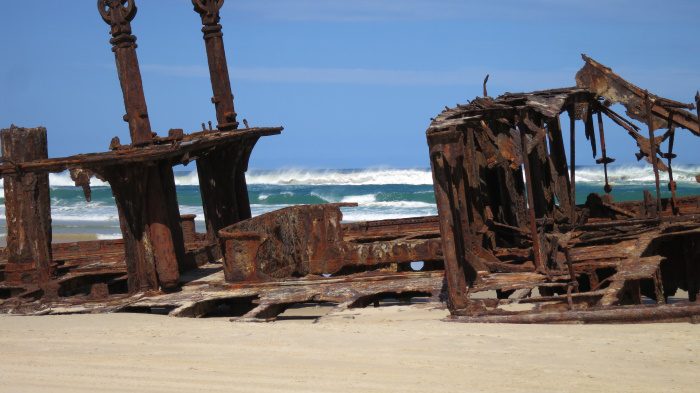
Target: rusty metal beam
652,313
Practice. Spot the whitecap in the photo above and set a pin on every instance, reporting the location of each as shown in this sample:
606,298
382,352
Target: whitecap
359,199
109,236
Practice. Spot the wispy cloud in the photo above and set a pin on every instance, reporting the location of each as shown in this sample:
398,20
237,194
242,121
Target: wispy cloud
672,82
385,77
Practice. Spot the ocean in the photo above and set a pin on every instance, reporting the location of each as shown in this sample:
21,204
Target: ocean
381,193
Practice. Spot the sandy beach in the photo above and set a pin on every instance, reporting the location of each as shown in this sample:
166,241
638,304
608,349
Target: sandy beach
403,348
61,238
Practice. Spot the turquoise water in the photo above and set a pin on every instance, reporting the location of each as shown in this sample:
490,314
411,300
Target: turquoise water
380,193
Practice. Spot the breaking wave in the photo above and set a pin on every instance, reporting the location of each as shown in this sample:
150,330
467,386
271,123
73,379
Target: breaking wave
635,174
341,177
623,174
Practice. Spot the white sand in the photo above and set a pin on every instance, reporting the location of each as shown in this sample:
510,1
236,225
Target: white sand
388,349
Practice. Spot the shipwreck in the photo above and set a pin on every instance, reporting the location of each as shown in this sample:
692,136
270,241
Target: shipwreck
509,244
510,224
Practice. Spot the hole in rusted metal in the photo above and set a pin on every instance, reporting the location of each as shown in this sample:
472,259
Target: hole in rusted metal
390,299
227,307
156,310
82,285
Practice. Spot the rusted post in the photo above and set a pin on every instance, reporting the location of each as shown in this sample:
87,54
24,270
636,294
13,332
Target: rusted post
558,156
572,164
446,155
119,14
652,151
27,208
531,205
146,197
223,186
604,160
154,248
669,157
208,10
221,173
240,261
189,232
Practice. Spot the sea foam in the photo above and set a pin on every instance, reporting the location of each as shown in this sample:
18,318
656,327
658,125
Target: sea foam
627,174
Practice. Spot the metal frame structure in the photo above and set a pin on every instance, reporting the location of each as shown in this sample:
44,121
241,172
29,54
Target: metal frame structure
518,248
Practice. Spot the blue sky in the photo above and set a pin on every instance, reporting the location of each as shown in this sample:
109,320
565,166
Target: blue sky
354,83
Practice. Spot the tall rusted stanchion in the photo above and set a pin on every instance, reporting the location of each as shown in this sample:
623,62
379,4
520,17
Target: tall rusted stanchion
119,14
218,68
605,160
146,197
558,156
27,208
652,151
572,164
537,256
222,172
669,163
448,178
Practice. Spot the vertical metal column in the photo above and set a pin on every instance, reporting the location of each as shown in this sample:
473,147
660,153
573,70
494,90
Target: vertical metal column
119,14
652,151
537,256
27,208
572,164
221,173
146,197
218,68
